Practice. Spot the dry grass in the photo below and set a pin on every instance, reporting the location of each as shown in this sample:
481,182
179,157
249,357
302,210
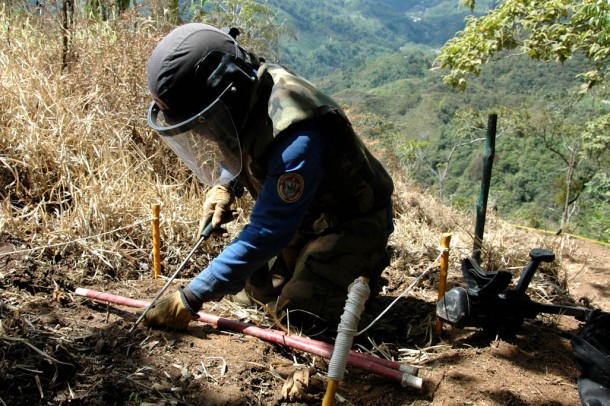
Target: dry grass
77,157
422,219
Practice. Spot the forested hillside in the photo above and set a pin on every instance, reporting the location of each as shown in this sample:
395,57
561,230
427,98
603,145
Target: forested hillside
335,35
381,57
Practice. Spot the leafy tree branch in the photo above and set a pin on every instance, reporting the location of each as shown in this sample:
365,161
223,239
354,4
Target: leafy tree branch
552,30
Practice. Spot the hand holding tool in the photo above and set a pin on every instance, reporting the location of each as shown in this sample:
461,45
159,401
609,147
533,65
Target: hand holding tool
205,234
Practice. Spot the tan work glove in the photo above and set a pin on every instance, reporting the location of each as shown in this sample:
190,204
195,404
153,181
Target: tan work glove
217,206
169,312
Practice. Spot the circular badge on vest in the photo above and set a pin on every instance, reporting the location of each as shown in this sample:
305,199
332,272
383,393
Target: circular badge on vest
290,187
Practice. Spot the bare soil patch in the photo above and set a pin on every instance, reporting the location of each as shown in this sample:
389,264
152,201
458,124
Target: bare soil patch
58,348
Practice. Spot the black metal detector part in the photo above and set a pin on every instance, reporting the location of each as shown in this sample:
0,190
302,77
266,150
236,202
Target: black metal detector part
486,302
205,234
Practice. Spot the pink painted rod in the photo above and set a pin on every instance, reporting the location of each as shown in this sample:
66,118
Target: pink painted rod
388,369
327,348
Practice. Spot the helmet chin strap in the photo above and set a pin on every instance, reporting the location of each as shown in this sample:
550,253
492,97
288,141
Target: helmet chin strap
262,83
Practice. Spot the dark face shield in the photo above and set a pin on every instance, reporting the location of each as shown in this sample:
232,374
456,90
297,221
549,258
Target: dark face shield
207,142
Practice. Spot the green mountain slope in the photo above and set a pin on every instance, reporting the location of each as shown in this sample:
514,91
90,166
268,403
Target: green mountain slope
338,34
378,57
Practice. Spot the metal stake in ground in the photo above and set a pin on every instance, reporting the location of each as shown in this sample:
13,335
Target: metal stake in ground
207,231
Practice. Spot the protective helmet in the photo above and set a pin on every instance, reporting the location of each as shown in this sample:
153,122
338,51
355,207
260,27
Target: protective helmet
202,83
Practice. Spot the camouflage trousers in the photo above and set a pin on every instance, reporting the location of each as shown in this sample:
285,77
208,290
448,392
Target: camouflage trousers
313,273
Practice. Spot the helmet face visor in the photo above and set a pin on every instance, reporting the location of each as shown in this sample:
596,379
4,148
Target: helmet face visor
207,142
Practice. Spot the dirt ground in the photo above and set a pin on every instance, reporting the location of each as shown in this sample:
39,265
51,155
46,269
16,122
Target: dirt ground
60,348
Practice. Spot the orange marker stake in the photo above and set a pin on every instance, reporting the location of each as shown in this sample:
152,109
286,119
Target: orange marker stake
442,283
156,211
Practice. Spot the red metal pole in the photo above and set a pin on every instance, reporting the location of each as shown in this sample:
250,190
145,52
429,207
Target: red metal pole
378,366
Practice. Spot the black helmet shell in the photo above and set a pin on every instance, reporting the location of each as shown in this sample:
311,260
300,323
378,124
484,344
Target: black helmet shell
193,65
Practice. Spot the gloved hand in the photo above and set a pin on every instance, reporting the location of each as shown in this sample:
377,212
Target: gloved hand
217,206
173,312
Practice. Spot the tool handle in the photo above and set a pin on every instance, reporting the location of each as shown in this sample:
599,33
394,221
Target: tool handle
207,231
537,256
